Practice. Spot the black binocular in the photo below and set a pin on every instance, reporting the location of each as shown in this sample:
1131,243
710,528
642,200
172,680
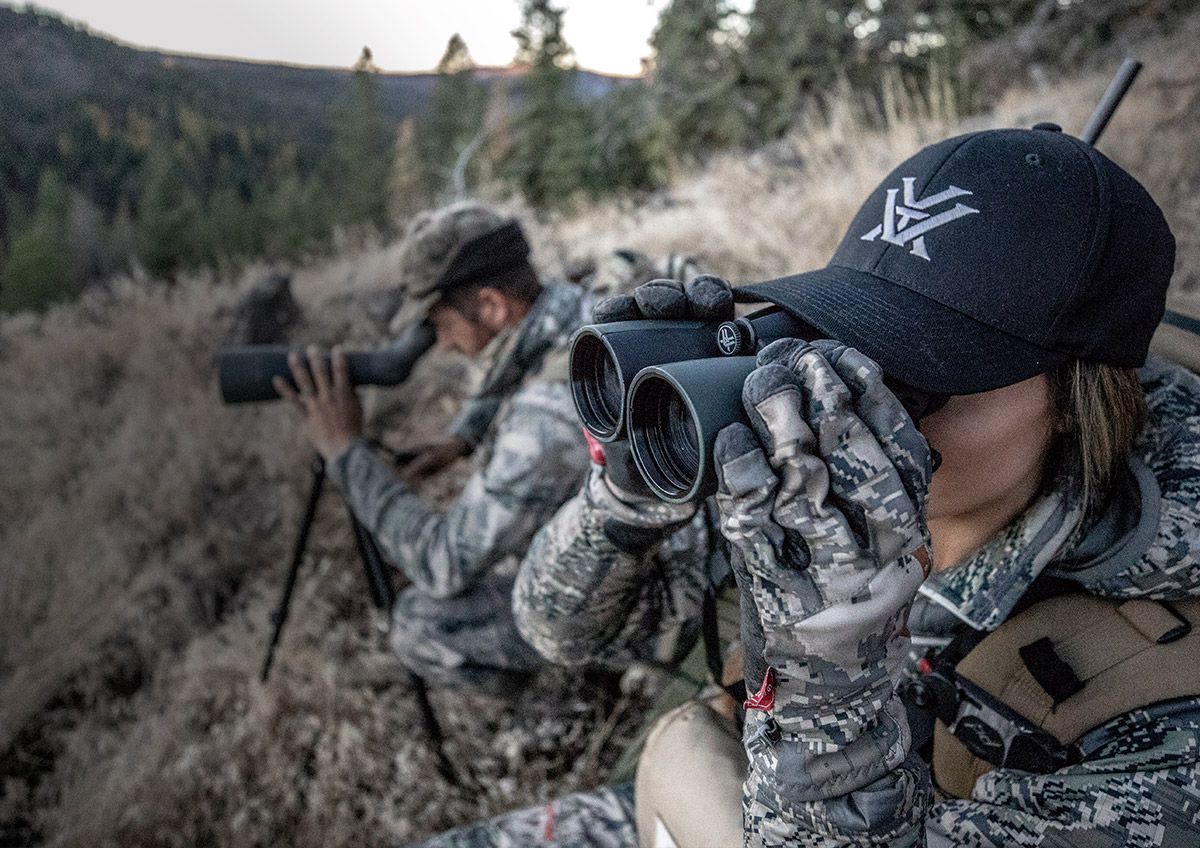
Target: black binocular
245,373
670,386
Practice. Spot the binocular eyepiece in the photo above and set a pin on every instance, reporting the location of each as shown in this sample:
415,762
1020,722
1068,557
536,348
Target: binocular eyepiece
670,386
245,373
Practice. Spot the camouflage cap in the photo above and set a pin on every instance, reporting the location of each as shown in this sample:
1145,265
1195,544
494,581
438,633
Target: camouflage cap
455,245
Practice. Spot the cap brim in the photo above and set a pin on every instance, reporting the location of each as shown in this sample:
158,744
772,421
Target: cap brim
916,340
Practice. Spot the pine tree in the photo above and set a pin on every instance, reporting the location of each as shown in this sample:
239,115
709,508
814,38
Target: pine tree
793,52
358,167
695,75
408,189
168,216
455,117
548,158
36,271
630,147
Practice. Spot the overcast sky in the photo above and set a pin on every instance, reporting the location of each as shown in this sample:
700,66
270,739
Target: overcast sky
404,35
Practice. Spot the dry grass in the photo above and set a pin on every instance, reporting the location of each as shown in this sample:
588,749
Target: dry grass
144,528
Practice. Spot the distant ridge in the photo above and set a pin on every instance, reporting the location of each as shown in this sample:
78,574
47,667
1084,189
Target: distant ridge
89,105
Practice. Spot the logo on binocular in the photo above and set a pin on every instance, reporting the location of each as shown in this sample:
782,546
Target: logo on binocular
729,340
910,222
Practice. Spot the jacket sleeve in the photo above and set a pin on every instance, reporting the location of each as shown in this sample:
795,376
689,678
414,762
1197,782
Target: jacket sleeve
538,460
830,753
612,581
473,420
1138,788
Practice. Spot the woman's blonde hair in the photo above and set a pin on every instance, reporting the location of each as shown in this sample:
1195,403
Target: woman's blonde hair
1100,412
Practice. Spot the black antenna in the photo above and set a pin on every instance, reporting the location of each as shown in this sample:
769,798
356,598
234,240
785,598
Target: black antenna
1108,104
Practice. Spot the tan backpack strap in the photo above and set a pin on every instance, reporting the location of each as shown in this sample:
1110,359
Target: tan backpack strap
1063,667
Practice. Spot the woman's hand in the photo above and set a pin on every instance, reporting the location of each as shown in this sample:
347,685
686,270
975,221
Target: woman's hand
333,416
703,298
823,499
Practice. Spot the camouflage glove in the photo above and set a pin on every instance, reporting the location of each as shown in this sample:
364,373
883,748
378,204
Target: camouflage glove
824,503
704,298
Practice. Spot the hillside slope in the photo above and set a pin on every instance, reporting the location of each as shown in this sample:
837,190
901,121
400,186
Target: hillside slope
144,528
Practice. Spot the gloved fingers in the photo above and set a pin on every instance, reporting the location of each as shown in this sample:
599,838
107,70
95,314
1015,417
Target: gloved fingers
772,559
617,307
870,488
710,298
746,483
883,413
661,299
705,298
777,409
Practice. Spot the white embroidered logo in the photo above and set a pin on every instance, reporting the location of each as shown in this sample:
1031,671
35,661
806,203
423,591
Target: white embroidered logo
897,219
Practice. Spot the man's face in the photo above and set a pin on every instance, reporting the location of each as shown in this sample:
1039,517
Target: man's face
458,332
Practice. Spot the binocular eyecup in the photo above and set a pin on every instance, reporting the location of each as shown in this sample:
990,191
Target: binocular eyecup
245,373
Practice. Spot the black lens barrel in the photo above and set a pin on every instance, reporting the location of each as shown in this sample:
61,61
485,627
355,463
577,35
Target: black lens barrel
606,357
675,413
245,373
669,387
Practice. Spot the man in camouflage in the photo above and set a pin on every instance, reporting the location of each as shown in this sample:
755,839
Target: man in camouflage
822,502
466,269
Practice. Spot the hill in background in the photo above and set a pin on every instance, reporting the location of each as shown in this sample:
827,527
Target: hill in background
109,152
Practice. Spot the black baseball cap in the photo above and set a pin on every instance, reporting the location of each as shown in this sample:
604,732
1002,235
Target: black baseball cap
990,258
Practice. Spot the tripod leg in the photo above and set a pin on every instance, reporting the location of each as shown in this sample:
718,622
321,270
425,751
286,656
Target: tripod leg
384,596
433,730
280,613
379,581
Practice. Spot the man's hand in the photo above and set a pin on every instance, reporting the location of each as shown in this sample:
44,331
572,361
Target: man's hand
333,416
428,459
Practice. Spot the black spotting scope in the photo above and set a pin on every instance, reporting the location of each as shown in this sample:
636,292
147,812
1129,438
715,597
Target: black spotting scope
670,386
245,373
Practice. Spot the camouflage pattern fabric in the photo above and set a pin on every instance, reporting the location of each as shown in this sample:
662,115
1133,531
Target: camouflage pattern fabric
823,504
1168,454
614,578
469,639
599,819
1139,787
830,759
1140,781
536,459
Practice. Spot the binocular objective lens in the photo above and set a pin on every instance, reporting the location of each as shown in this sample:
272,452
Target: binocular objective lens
596,383
669,441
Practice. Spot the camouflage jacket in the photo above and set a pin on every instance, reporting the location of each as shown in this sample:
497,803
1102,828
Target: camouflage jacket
535,459
1139,786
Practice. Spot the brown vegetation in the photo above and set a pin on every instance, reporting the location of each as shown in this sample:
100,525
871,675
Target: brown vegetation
144,527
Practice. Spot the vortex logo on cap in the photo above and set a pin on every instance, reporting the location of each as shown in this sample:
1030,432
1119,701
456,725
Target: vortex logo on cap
897,218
